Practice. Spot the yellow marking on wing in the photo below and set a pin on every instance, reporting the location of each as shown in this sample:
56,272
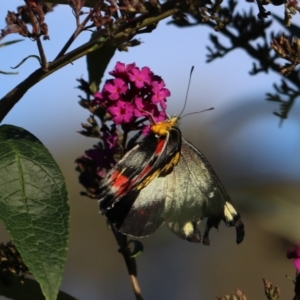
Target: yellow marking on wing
161,129
176,158
167,167
174,161
148,179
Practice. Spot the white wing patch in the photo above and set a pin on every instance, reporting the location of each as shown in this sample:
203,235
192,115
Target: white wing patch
188,228
229,211
211,195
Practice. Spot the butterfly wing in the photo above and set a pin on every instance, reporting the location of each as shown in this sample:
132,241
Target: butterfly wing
154,156
181,198
140,213
197,193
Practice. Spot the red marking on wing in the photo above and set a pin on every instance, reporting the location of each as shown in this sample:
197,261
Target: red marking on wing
160,145
158,150
119,182
145,171
122,184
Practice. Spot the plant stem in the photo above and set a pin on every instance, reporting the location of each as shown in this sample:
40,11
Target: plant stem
78,30
129,261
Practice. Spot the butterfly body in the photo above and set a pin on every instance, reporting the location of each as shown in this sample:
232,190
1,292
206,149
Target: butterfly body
165,179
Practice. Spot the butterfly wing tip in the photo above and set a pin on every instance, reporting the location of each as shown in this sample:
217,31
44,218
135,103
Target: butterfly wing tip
240,231
194,238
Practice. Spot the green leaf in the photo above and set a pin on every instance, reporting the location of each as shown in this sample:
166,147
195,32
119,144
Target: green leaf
8,73
10,43
29,290
97,62
34,206
24,59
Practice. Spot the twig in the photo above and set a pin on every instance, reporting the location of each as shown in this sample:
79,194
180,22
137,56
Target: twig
36,25
129,261
44,62
293,77
78,30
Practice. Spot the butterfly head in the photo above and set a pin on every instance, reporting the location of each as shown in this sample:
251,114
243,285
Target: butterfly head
163,128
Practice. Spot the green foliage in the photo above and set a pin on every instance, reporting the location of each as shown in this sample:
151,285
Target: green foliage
97,62
34,205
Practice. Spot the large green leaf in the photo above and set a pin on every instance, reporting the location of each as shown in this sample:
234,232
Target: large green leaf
34,206
29,290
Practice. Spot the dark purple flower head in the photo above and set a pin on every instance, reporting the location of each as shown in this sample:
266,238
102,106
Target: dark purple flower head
294,253
93,166
110,138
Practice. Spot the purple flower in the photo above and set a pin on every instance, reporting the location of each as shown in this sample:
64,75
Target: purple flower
98,99
294,253
121,112
159,116
149,110
145,108
135,99
95,155
121,69
110,137
93,165
140,77
134,93
160,94
114,88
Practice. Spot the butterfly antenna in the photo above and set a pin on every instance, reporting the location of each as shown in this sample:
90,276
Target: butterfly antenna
198,112
149,113
187,91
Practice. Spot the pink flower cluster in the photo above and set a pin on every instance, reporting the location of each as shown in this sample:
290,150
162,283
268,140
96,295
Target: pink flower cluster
294,253
133,93
132,97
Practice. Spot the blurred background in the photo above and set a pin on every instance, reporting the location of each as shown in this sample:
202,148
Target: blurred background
257,161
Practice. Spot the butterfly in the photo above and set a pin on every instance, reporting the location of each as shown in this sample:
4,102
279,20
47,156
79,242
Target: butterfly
165,179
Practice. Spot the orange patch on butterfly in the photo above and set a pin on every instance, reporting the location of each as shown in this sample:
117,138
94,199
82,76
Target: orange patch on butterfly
163,128
163,170
160,129
118,179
